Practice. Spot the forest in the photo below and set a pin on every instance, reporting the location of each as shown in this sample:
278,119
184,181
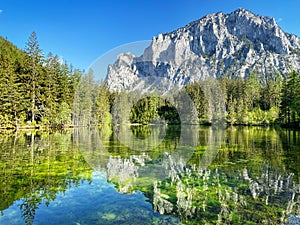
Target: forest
38,91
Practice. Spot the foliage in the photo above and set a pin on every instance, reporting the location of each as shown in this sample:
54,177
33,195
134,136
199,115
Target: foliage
32,87
64,115
197,95
247,101
43,91
290,106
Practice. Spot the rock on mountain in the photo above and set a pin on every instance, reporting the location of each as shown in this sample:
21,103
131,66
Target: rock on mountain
216,45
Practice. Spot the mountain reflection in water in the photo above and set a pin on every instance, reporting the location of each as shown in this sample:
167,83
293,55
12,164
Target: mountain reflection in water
209,176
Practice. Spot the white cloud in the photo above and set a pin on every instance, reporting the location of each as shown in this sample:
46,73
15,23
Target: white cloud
1,11
279,20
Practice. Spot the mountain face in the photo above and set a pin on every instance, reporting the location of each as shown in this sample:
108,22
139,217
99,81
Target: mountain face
216,45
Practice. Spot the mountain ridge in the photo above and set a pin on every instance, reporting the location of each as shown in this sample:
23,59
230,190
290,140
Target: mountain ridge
215,45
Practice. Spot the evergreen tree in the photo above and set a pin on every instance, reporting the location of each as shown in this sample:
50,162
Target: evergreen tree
102,105
145,111
231,110
271,93
32,88
65,81
63,116
290,99
84,101
275,87
201,102
121,108
51,87
33,75
11,94
44,91
252,90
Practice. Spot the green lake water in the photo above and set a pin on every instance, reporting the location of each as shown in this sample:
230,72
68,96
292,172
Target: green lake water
151,175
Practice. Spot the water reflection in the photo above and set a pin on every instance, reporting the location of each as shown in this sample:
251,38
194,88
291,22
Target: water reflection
200,175
36,167
228,176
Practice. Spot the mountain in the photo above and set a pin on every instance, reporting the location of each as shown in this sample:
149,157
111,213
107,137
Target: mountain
216,45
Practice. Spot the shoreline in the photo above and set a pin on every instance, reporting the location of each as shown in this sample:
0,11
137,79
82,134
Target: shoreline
45,128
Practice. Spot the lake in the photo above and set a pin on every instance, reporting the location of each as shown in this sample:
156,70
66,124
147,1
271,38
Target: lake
151,175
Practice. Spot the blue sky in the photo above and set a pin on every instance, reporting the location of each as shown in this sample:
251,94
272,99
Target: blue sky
81,31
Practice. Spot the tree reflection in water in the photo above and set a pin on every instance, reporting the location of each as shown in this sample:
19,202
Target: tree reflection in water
210,176
247,180
36,167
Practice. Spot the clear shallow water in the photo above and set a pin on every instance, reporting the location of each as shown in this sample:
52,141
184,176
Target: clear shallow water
91,203
151,175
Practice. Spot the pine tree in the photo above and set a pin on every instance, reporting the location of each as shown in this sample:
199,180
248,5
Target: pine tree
33,74
252,90
290,99
63,116
84,101
275,87
271,93
52,98
201,103
11,95
231,110
121,108
102,105
65,81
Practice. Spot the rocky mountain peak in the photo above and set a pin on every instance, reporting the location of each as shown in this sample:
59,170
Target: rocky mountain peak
216,45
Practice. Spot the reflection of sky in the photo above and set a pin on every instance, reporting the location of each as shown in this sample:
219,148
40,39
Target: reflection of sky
99,66
95,203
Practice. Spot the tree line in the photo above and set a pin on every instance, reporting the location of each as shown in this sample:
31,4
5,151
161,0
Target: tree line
34,89
43,91
249,101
